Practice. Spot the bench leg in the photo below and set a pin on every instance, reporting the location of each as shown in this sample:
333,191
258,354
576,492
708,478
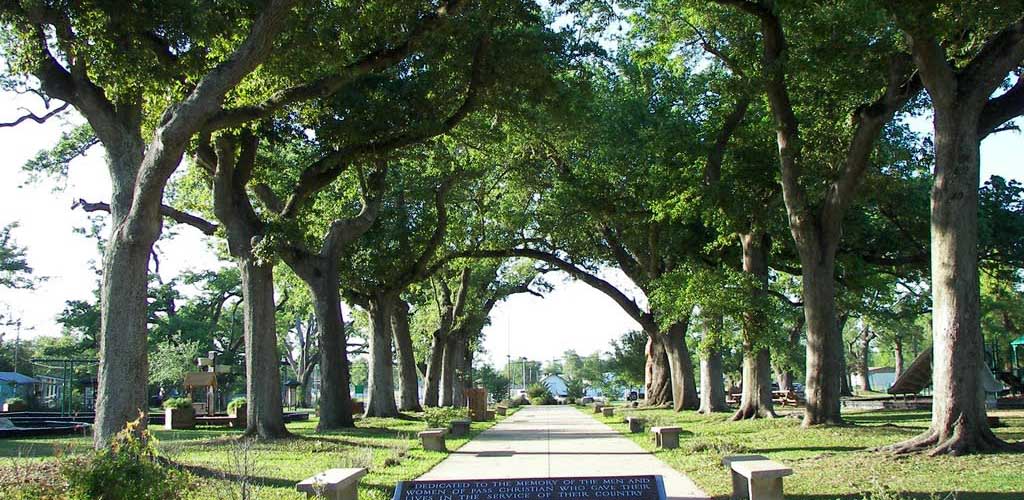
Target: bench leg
766,489
657,439
739,487
670,441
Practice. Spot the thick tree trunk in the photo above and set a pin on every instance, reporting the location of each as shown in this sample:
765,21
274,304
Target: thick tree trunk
824,344
712,383
380,391
959,424
684,383
897,354
756,398
262,367
657,375
408,378
432,391
124,366
448,366
335,398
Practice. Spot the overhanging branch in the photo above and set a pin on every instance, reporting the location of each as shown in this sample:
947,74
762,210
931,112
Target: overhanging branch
174,214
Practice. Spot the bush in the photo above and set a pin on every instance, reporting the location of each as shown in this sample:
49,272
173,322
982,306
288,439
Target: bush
237,403
539,395
127,470
178,403
440,418
16,401
575,389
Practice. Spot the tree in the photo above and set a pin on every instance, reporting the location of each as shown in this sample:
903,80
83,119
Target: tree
961,88
815,217
14,269
147,71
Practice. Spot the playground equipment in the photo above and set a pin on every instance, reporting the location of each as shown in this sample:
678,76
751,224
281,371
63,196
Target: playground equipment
60,379
918,377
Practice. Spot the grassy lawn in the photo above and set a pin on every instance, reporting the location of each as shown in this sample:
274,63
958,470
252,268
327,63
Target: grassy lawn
222,464
836,462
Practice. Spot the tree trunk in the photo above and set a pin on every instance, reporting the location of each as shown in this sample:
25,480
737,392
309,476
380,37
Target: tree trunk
684,384
408,378
785,380
431,395
959,424
785,375
449,364
712,383
335,398
845,384
380,391
265,417
897,354
460,373
864,360
124,366
756,398
825,370
657,375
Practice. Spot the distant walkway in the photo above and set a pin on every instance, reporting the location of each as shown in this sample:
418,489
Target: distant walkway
557,441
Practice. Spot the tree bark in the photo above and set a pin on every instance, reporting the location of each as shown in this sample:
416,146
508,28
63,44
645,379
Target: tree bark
825,370
380,391
845,384
897,354
684,384
712,383
432,391
784,379
335,398
449,365
124,365
756,398
864,360
408,377
657,375
265,417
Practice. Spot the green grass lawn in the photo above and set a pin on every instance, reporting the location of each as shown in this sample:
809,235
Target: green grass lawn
222,464
836,462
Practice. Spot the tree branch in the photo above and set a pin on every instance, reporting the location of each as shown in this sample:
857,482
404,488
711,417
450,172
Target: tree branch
174,214
38,119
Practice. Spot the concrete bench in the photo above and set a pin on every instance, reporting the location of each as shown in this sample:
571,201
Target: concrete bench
489,415
433,439
636,424
608,411
501,410
333,484
666,437
598,407
460,427
756,477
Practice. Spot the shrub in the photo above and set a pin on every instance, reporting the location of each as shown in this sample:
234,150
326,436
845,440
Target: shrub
16,401
575,389
438,418
128,469
539,395
237,403
178,403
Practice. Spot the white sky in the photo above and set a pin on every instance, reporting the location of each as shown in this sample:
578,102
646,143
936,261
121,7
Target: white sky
574,316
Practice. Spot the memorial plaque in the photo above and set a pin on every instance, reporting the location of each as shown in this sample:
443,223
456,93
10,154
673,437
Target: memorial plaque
552,488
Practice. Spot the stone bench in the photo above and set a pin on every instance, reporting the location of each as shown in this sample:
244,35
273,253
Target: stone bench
636,424
667,437
460,427
608,411
489,415
501,410
333,484
598,407
755,477
433,439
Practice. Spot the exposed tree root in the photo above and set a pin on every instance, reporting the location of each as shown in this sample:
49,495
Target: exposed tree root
751,412
961,441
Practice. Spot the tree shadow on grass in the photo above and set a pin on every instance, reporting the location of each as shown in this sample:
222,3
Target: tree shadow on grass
911,495
212,473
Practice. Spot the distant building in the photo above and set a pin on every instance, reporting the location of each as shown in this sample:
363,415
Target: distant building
14,384
881,377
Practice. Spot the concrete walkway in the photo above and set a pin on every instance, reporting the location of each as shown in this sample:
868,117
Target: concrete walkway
557,441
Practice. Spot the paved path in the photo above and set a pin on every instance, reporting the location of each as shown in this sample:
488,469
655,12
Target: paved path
557,441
